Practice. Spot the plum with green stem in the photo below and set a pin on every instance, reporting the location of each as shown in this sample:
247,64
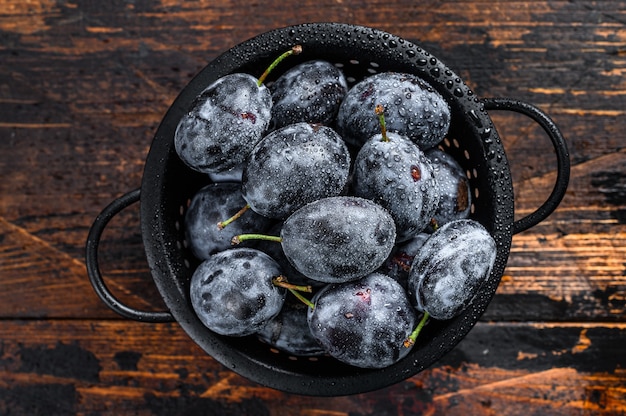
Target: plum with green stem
335,239
363,323
392,171
225,121
209,205
416,109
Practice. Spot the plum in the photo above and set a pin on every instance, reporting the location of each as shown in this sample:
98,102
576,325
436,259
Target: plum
450,268
232,292
363,323
416,109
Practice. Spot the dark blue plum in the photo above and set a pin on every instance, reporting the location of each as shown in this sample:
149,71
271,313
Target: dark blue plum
225,122
363,323
293,166
311,91
232,291
211,204
413,109
393,172
450,268
338,239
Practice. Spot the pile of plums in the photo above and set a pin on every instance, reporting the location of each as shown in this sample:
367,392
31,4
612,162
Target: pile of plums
331,222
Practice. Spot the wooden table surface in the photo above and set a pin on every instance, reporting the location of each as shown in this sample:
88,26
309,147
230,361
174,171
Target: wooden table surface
83,87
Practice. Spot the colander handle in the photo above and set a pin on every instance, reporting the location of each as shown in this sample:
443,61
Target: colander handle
93,269
562,157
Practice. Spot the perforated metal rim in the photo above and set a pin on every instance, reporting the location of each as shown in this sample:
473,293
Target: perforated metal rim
168,184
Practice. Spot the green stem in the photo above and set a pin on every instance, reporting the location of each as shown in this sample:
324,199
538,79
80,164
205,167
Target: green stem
410,341
380,112
245,237
293,51
302,298
239,213
282,282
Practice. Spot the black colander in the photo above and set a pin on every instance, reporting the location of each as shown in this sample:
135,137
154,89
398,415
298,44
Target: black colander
168,186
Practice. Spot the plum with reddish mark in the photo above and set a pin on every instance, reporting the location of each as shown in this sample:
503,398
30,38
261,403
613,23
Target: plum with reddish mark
226,120
224,123
363,323
392,171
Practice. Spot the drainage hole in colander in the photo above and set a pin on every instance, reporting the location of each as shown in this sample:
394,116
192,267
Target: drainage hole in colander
373,68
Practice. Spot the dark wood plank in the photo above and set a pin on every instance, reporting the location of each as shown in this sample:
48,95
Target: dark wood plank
40,280
116,367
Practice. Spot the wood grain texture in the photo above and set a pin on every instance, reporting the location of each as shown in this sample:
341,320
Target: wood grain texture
83,87
117,367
